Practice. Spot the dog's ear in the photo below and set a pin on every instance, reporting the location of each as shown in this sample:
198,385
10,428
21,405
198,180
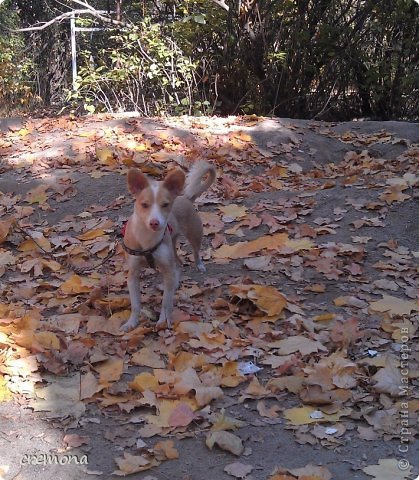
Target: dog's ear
175,181
137,181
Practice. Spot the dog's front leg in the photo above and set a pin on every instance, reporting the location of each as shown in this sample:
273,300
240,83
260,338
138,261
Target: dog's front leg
171,277
134,292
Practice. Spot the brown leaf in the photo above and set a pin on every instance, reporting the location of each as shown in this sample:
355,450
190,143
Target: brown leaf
72,440
165,450
347,332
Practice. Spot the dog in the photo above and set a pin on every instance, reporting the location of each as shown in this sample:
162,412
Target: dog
162,211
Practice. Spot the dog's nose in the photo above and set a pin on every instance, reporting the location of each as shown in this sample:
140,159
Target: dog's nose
154,223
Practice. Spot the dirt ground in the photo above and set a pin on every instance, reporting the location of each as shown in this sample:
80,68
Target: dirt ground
346,189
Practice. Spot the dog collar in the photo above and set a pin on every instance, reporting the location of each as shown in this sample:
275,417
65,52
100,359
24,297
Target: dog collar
148,254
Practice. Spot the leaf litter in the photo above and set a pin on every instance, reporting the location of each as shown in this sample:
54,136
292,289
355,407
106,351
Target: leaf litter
60,338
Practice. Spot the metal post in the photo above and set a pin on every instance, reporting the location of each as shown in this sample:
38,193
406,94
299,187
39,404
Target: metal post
73,50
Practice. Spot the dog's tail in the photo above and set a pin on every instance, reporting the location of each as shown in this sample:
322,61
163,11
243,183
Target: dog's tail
195,185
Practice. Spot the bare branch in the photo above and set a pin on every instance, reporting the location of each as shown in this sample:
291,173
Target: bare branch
88,10
41,26
222,4
97,14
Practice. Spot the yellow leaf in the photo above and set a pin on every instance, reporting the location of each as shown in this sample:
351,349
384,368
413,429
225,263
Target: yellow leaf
30,245
233,211
48,340
110,370
243,136
278,241
266,298
224,422
144,381
324,317
168,411
5,394
165,450
105,155
306,415
91,234
76,284
37,195
129,464
245,249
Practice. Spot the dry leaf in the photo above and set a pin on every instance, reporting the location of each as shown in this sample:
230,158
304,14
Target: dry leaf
394,305
165,450
238,470
306,415
388,469
298,343
73,440
129,464
226,441
387,379
266,298
144,381
312,471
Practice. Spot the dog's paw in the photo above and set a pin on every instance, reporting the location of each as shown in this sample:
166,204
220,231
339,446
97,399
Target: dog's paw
163,322
130,325
201,267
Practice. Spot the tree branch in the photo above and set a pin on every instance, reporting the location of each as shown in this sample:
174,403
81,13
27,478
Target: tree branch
222,4
88,10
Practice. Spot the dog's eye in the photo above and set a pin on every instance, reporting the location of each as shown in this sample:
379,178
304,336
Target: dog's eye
145,205
165,204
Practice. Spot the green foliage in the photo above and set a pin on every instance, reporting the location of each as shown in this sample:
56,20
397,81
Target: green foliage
16,90
323,59
139,69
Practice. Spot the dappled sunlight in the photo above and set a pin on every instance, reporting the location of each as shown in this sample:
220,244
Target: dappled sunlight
277,332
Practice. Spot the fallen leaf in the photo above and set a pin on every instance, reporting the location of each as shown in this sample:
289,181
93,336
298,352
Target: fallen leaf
388,469
238,470
72,440
110,370
306,415
387,379
226,441
144,381
394,305
298,343
181,416
311,471
129,464
165,450
266,298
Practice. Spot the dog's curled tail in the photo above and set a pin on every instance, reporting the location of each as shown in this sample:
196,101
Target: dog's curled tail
195,185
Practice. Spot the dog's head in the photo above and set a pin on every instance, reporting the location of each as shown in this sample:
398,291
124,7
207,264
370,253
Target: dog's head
154,200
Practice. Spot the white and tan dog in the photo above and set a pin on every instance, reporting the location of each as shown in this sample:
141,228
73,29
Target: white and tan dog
161,214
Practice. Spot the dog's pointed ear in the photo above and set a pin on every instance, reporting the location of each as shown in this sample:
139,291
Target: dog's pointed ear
137,181
175,181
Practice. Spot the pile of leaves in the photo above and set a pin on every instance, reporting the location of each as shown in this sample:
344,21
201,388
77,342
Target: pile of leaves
299,325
